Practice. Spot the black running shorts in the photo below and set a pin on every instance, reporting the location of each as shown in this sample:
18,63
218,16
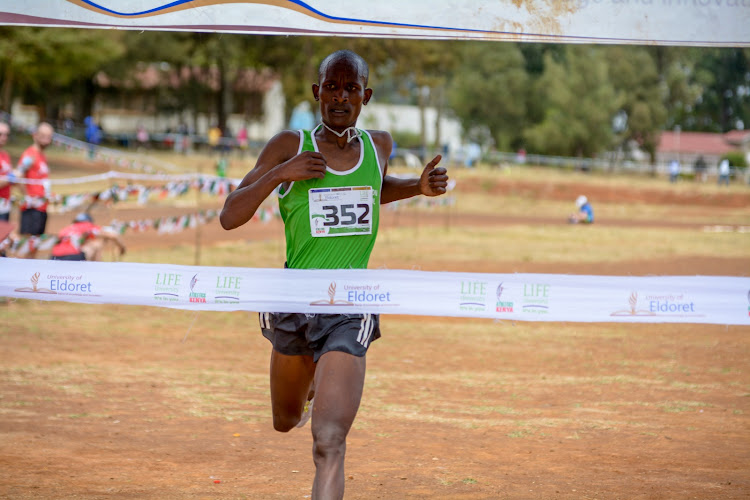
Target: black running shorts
33,222
300,334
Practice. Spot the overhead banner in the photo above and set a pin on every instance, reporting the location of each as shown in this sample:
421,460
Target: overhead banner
660,22
519,297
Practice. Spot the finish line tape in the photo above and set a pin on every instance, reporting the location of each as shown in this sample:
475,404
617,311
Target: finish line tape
518,297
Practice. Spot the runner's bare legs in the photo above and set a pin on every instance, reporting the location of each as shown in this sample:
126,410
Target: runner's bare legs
291,379
339,380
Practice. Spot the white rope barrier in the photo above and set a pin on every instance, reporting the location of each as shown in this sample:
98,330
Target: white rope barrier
518,297
113,174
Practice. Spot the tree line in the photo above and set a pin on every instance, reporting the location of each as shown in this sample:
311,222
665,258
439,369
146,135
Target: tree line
569,100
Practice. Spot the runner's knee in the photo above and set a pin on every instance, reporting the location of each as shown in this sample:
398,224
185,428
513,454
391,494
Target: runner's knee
328,442
284,422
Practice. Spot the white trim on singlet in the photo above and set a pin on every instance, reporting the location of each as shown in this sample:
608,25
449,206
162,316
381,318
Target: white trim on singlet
356,165
299,150
377,160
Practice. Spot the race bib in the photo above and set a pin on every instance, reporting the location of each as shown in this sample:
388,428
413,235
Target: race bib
340,211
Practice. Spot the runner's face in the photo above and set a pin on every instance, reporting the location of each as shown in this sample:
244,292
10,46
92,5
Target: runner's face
43,136
342,94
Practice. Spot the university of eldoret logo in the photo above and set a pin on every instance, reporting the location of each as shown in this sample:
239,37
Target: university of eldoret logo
331,301
633,311
35,286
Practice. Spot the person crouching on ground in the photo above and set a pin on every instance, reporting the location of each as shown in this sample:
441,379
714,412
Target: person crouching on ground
585,213
84,240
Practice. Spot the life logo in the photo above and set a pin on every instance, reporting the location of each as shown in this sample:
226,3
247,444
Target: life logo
167,287
60,285
196,297
227,289
659,304
536,297
502,305
473,296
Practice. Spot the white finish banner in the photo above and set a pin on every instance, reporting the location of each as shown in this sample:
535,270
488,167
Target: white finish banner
661,22
518,297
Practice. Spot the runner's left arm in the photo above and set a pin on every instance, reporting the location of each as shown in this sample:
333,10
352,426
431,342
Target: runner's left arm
432,182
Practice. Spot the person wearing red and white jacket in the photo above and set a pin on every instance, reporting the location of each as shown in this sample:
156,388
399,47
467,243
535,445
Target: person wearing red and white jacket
33,166
84,240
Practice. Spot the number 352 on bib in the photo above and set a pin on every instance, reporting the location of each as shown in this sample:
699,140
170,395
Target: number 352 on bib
341,211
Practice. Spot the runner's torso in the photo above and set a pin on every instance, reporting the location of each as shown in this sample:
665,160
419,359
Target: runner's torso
331,223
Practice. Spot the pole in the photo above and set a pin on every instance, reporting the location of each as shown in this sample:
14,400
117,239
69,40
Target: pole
197,222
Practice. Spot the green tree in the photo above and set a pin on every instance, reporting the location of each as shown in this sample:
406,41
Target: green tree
725,101
489,91
579,102
46,66
635,78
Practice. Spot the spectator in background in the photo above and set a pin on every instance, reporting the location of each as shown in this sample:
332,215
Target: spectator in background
142,137
724,172
6,170
69,126
700,169
674,171
302,117
93,135
214,138
242,140
473,154
585,213
182,145
84,240
226,141
521,156
33,166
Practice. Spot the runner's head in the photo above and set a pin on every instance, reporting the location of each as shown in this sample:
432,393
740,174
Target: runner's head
342,88
349,56
581,201
43,135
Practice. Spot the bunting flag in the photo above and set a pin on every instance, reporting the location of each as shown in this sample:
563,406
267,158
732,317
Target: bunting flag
213,186
650,22
25,245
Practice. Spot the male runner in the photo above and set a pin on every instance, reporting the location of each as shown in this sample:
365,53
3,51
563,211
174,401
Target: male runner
33,166
324,354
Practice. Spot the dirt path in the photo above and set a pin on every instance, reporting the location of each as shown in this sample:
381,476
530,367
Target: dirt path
123,403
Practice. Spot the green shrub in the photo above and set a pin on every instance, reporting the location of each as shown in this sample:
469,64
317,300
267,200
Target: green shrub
736,158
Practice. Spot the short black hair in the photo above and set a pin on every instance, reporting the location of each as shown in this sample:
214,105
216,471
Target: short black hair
347,55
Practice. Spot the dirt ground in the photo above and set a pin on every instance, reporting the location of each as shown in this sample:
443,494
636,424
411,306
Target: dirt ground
170,407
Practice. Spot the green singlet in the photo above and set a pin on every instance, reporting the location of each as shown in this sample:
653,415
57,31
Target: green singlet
331,223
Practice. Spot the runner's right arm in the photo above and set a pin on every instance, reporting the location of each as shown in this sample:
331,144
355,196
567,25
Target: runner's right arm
277,163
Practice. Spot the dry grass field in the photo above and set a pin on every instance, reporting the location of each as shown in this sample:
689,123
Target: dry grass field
107,402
